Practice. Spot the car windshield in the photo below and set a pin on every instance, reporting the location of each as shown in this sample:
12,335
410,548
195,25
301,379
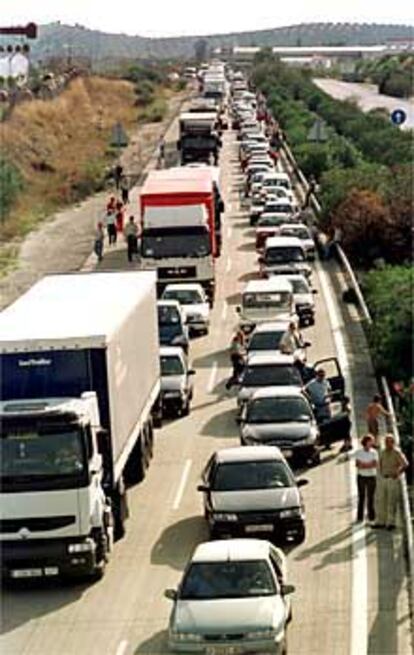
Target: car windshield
245,476
278,209
300,286
284,254
270,221
278,410
265,340
300,233
239,579
184,296
269,375
265,300
169,242
171,365
168,315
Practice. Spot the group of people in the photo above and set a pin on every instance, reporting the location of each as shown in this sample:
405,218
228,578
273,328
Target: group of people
378,474
114,224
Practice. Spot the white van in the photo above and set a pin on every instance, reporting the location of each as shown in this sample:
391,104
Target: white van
264,301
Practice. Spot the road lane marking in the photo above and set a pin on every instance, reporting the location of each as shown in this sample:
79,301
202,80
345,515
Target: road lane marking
224,310
228,265
359,592
212,378
183,482
229,207
122,648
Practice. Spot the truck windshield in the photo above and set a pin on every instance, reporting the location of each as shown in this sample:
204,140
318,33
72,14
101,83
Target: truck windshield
284,255
266,300
30,455
171,242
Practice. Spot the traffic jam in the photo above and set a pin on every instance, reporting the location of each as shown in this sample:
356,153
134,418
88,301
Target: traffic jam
235,596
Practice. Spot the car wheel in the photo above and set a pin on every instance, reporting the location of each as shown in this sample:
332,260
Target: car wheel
185,409
316,458
300,536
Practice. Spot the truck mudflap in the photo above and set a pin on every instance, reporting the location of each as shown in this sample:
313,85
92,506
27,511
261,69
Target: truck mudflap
38,558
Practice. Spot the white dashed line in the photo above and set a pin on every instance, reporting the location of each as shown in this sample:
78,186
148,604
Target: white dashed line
181,486
212,378
229,232
224,310
228,265
121,650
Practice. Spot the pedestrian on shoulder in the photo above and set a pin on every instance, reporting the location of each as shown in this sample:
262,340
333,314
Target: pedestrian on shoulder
131,237
367,461
392,463
111,204
311,189
99,241
125,189
118,170
373,412
319,392
111,226
119,219
237,355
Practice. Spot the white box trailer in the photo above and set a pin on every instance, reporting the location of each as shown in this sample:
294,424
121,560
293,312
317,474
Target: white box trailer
79,363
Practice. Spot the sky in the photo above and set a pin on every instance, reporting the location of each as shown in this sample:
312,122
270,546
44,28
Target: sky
179,17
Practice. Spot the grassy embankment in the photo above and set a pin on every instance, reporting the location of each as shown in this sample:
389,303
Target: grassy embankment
54,153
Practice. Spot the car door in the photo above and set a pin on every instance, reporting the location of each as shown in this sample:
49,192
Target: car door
334,375
207,477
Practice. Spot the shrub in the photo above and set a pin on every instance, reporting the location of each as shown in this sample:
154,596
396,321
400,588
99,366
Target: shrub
11,183
154,112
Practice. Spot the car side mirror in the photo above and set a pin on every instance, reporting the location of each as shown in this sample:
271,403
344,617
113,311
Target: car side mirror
260,259
315,292
203,487
238,309
240,420
191,371
307,344
287,589
302,482
171,594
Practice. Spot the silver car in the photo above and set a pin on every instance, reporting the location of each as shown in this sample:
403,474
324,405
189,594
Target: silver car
232,599
176,381
265,370
250,491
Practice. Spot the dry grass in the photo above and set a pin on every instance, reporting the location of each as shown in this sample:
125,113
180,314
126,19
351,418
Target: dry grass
61,146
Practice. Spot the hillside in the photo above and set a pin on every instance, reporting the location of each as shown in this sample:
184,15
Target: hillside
59,39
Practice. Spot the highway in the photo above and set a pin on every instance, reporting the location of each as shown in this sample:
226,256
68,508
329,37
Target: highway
341,606
367,97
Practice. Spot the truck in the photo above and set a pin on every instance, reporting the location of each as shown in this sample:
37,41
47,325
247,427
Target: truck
212,175
198,138
178,230
80,391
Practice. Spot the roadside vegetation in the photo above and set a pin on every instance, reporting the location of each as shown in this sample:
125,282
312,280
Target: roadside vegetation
364,171
57,152
392,74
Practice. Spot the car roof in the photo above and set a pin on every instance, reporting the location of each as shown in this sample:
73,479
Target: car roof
273,284
277,359
184,286
274,326
277,392
168,303
283,242
171,351
280,176
248,454
280,202
295,226
231,550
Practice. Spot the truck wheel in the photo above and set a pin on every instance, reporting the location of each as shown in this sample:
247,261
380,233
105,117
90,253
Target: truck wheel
135,467
300,536
101,539
120,512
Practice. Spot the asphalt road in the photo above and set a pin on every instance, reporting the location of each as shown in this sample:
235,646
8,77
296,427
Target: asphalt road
367,97
126,613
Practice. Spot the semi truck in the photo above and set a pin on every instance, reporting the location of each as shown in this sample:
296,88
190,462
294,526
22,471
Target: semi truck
80,391
178,230
199,140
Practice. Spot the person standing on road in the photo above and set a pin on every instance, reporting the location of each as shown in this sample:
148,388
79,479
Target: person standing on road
111,204
161,153
124,190
392,463
118,170
319,391
311,190
131,237
373,412
119,217
111,226
291,340
367,461
237,354
99,241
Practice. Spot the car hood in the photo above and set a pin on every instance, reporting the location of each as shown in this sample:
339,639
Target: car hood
173,383
231,616
201,309
303,299
294,431
255,499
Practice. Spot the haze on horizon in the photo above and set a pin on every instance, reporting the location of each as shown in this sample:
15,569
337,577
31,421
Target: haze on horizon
215,16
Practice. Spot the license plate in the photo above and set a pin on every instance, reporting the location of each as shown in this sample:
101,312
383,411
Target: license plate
226,650
287,453
27,573
51,570
264,527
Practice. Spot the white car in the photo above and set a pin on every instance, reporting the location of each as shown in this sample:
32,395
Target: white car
194,304
302,232
176,381
233,598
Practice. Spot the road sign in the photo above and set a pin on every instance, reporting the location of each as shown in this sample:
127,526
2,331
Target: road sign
318,132
119,138
398,116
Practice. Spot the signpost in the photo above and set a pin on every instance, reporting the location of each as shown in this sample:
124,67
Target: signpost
398,116
119,138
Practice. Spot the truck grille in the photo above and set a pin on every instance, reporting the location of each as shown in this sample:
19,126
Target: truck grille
173,272
40,524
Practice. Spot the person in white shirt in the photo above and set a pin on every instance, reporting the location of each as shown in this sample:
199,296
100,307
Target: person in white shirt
367,461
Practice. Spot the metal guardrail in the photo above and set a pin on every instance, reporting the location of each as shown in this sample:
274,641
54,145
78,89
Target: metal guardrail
407,519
